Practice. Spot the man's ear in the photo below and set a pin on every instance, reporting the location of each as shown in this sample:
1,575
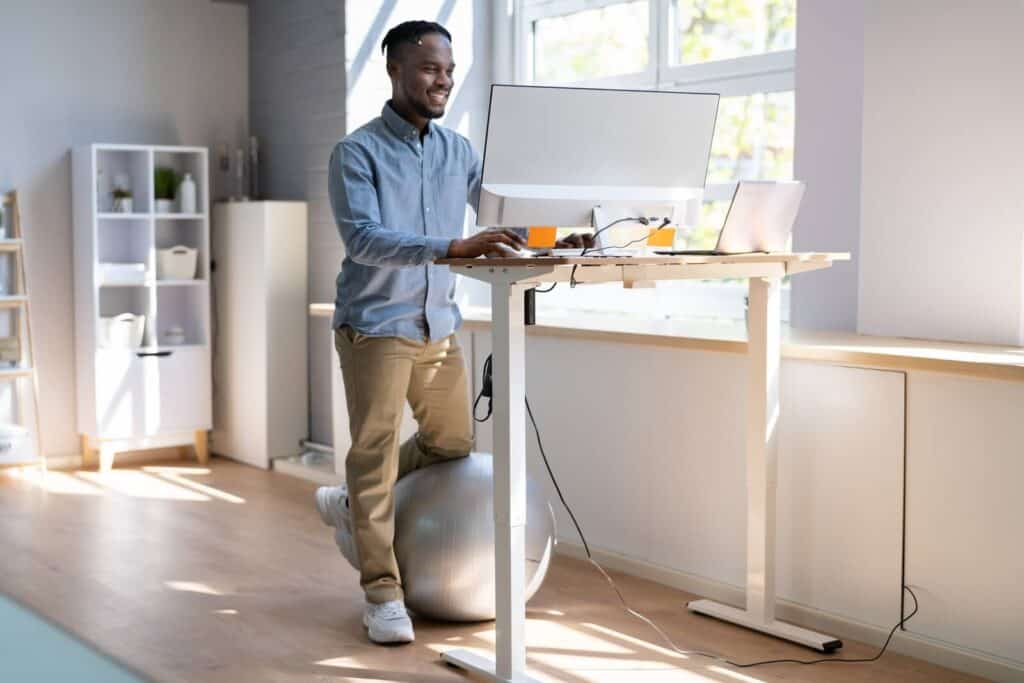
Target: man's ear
393,68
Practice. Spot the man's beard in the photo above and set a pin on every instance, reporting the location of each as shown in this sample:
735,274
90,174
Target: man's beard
427,113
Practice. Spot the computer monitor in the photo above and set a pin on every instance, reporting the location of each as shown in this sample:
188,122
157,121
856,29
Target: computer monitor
553,154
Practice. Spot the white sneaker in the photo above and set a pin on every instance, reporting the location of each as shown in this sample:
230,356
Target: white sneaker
388,622
332,504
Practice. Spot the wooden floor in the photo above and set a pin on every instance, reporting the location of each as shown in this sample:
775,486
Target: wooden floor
227,574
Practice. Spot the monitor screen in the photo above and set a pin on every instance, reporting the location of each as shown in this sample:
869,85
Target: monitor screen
554,154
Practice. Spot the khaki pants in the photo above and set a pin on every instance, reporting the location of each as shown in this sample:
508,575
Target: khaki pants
380,374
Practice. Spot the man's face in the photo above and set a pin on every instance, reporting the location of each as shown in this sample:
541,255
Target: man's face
422,75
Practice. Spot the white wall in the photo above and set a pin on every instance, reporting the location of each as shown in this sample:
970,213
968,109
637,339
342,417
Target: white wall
133,71
652,461
829,92
942,211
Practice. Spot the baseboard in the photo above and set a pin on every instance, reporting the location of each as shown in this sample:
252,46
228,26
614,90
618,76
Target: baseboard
124,458
907,643
70,461
294,469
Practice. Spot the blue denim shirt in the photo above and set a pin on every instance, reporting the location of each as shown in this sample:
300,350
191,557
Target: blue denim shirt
399,202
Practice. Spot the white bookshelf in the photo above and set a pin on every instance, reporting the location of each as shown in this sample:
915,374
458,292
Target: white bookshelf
158,393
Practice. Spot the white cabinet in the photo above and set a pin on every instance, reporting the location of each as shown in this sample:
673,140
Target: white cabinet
142,340
260,289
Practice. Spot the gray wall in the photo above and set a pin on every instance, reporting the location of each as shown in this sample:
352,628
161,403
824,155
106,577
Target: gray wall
297,108
123,71
316,72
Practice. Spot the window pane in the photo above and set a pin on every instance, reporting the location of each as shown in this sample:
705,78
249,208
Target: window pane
707,30
753,138
712,218
610,41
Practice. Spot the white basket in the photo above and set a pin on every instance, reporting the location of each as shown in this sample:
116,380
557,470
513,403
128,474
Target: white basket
15,444
123,273
176,263
122,331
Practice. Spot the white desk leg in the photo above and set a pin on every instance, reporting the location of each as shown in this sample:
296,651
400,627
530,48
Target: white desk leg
763,359
508,380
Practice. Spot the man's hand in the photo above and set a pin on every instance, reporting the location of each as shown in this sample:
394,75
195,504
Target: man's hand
485,242
576,241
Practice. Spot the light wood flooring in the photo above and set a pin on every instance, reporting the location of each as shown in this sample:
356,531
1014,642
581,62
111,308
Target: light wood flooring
226,573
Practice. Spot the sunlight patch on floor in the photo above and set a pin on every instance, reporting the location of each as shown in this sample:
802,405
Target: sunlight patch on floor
193,587
56,482
342,662
635,642
176,475
541,633
735,675
141,485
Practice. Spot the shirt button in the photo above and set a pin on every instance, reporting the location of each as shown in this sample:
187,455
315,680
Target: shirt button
428,209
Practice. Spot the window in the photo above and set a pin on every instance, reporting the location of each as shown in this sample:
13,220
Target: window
604,41
742,49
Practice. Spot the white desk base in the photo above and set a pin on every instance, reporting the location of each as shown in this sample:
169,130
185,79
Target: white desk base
483,667
509,280
779,629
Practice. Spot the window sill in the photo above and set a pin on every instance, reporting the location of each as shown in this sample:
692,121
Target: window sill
730,336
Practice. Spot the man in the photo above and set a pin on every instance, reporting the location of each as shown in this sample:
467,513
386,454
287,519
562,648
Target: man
399,187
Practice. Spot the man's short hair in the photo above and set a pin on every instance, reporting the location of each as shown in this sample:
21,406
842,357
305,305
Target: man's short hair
409,33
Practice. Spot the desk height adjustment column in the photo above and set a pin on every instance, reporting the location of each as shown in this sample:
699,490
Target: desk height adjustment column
764,353
509,385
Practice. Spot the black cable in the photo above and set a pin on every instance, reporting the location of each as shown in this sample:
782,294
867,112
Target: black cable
632,612
485,392
664,224
837,659
640,219
545,291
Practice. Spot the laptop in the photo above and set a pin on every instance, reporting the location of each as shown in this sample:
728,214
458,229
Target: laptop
760,219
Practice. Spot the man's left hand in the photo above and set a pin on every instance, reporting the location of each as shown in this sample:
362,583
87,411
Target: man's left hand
576,241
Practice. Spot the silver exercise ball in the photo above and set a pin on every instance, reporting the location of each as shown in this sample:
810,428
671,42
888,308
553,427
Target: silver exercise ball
444,539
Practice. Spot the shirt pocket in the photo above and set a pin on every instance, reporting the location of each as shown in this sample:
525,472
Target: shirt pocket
452,193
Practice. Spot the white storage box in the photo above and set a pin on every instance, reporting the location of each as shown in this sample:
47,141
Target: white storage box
123,273
15,444
122,331
176,263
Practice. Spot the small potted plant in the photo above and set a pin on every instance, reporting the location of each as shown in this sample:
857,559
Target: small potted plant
122,200
164,182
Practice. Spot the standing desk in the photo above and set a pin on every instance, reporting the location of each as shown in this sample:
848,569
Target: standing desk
510,278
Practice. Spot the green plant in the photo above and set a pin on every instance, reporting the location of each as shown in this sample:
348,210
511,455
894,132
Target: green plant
121,193
164,182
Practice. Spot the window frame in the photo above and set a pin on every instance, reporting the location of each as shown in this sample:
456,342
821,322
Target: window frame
770,72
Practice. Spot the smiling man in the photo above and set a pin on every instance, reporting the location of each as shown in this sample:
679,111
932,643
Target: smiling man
399,187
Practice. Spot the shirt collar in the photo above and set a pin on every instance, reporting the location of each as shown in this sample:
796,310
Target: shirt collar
400,126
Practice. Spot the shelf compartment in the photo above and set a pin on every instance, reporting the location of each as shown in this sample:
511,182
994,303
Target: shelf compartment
184,161
185,232
13,352
134,299
132,168
125,241
182,307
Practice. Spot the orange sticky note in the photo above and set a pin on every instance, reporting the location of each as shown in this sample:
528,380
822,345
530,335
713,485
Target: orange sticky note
662,238
542,236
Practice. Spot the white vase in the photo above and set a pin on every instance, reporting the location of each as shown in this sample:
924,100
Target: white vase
123,205
187,194
164,205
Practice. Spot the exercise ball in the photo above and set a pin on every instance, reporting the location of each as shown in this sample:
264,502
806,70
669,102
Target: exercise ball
444,538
